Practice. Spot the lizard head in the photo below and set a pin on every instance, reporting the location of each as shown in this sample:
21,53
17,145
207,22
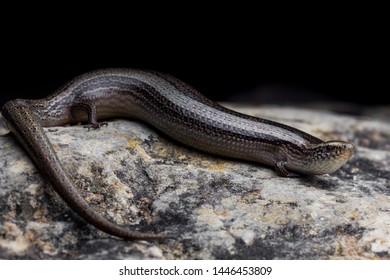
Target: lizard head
323,158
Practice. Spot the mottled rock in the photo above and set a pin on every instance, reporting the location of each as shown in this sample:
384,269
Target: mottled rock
217,207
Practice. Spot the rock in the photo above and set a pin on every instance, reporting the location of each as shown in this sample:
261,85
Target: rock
217,207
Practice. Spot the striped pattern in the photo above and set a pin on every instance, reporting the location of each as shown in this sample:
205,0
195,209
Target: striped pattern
175,109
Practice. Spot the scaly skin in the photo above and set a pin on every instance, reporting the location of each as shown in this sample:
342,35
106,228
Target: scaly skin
178,111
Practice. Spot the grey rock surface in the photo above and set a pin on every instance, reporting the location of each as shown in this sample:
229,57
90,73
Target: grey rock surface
217,207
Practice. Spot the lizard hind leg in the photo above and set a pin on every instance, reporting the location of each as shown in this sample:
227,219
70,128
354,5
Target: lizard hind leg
91,112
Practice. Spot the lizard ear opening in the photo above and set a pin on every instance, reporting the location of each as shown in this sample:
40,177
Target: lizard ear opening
332,155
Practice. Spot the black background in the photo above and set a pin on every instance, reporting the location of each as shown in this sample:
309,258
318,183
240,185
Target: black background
342,63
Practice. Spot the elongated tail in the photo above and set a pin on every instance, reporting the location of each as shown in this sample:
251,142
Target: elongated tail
26,127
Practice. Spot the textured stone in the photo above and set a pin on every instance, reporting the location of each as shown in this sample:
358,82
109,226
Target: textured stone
217,207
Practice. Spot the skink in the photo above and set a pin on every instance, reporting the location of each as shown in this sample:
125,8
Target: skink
174,108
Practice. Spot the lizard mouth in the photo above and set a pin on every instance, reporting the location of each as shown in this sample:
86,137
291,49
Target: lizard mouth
325,158
333,155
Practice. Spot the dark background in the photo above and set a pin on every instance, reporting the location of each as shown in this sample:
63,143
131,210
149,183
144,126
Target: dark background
310,77
249,62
